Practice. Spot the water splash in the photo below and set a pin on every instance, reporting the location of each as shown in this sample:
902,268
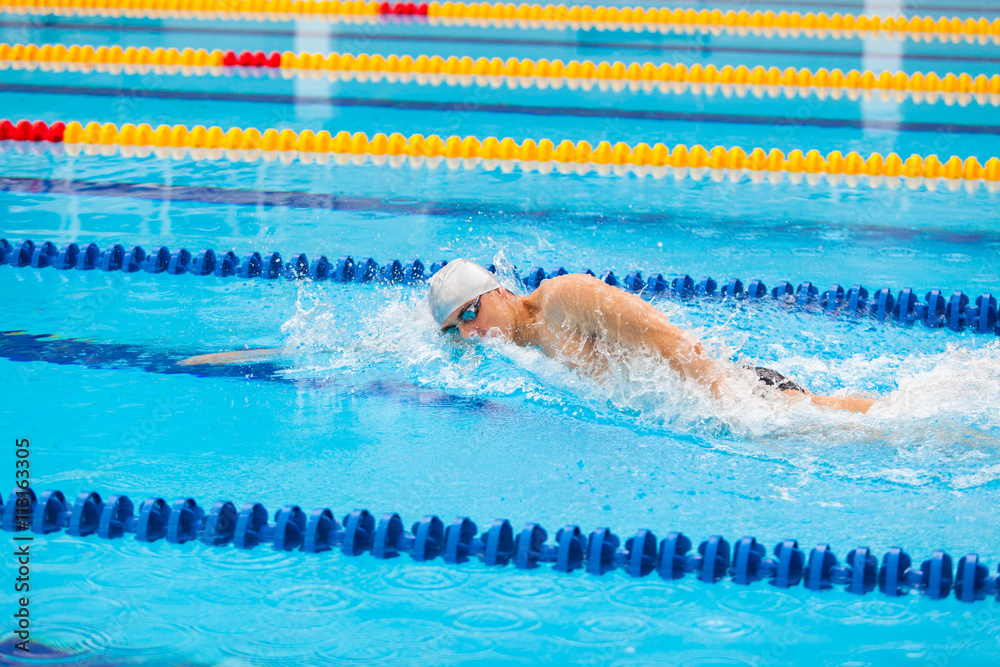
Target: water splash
942,415
507,273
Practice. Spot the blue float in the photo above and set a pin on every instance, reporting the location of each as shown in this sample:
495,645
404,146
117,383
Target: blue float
633,282
226,265
179,262
392,272
817,572
43,255
85,517
297,268
66,259
320,268
366,270
112,258
534,277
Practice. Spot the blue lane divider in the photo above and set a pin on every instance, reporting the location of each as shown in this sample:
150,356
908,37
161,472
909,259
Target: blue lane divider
290,528
938,310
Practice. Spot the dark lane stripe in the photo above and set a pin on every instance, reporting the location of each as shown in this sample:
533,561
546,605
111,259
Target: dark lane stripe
465,107
24,347
690,48
478,209
228,196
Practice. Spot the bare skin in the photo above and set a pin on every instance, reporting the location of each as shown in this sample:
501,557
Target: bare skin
567,315
570,317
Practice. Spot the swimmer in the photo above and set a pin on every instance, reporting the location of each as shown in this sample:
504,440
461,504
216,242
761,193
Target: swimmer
577,319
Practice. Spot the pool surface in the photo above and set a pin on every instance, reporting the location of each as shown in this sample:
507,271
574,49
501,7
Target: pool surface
369,407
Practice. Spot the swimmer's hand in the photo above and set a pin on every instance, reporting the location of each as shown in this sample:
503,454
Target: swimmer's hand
237,357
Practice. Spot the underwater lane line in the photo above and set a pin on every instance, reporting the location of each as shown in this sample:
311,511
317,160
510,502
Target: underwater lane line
21,346
581,45
24,347
231,196
514,109
328,201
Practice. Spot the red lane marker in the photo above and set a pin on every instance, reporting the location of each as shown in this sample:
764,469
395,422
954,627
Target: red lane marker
55,134
230,59
259,59
39,131
6,130
274,60
385,8
22,131
246,59
422,9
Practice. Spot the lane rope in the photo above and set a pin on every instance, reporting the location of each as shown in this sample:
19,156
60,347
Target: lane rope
290,528
938,310
544,156
741,80
560,17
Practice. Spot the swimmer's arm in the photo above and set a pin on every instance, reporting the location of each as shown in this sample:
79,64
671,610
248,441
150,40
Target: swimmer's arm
850,403
237,357
605,311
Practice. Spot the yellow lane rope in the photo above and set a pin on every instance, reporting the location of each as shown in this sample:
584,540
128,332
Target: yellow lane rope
658,160
573,17
515,72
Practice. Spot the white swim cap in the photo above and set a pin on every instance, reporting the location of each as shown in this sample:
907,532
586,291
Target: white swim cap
458,282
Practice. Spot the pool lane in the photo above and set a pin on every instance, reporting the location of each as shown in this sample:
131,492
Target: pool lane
687,118
414,39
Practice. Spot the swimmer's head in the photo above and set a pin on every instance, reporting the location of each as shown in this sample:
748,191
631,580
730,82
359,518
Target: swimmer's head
456,284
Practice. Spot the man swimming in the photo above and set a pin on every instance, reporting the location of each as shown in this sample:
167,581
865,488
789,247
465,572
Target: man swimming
577,319
582,321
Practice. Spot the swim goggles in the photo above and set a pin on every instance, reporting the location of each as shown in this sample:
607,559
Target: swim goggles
472,311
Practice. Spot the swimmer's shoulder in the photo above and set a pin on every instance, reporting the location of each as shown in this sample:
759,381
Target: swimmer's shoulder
574,295
560,289
570,283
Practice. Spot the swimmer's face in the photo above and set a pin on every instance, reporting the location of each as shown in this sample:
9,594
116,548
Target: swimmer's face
475,318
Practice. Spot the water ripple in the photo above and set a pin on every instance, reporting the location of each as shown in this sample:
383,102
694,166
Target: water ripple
712,625
864,612
258,559
120,579
420,577
66,550
603,629
647,596
524,587
142,639
409,640
66,605
495,618
63,639
773,601
284,647
697,658
314,597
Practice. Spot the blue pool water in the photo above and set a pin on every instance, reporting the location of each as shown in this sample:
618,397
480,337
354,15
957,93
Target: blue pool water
375,409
